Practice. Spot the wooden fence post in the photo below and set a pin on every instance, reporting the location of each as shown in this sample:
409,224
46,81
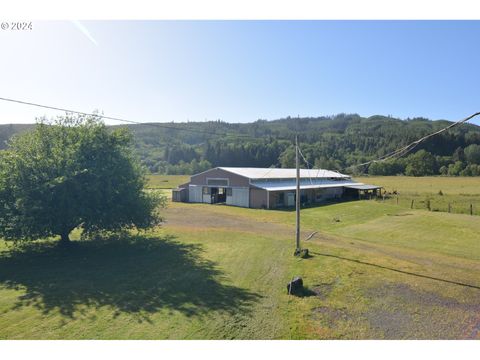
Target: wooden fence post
411,205
397,199
428,205
449,207
471,209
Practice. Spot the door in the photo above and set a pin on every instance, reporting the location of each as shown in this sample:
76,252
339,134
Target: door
291,199
240,197
195,193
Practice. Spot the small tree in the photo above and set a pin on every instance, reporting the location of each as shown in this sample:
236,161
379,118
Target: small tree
72,173
455,169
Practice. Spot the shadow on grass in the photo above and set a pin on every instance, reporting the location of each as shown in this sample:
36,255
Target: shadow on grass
134,275
323,203
398,270
305,292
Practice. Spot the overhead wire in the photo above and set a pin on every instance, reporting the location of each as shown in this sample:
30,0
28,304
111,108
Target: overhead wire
394,154
184,128
307,163
409,147
404,149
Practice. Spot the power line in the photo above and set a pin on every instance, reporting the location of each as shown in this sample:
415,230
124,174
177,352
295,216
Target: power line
125,120
408,148
308,165
396,153
404,149
197,131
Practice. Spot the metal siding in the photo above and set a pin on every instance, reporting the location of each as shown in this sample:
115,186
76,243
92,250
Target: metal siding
179,195
332,192
234,180
195,194
286,185
229,200
240,197
258,198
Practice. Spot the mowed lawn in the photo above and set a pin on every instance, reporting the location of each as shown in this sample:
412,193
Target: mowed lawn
377,271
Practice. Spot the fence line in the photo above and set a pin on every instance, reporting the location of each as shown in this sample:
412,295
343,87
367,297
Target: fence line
469,207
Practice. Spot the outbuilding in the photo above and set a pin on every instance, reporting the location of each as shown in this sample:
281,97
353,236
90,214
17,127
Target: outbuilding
267,188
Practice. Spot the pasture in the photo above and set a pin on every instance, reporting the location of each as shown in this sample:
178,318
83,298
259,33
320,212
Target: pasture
377,271
166,181
438,191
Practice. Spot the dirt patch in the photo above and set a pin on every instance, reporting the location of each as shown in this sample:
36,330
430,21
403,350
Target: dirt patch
329,316
202,218
401,214
323,290
473,331
399,311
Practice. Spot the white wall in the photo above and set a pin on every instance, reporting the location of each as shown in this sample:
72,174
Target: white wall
195,193
240,197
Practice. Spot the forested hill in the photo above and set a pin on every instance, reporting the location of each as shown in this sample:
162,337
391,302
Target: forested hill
332,142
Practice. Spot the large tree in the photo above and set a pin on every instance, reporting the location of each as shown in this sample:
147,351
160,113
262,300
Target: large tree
72,173
472,154
422,163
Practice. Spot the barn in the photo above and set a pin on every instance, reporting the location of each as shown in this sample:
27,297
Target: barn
268,188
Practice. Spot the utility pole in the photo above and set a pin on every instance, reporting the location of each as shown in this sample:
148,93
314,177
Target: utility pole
297,200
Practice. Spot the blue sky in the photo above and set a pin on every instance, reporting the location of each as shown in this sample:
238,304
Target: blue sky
241,71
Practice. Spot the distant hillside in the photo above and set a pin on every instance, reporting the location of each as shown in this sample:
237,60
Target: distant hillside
6,131
332,142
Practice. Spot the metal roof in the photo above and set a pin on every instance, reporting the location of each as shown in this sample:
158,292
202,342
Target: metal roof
304,184
363,187
276,173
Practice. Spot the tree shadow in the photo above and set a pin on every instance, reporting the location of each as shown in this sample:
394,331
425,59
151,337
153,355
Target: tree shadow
134,275
323,203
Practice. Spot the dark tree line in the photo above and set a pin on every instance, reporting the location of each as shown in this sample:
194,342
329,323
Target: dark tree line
334,142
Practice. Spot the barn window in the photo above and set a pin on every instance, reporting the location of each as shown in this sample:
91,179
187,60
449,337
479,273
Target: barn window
206,190
217,182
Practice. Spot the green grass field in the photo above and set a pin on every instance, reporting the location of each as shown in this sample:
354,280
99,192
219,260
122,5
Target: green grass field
378,270
459,192
166,181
